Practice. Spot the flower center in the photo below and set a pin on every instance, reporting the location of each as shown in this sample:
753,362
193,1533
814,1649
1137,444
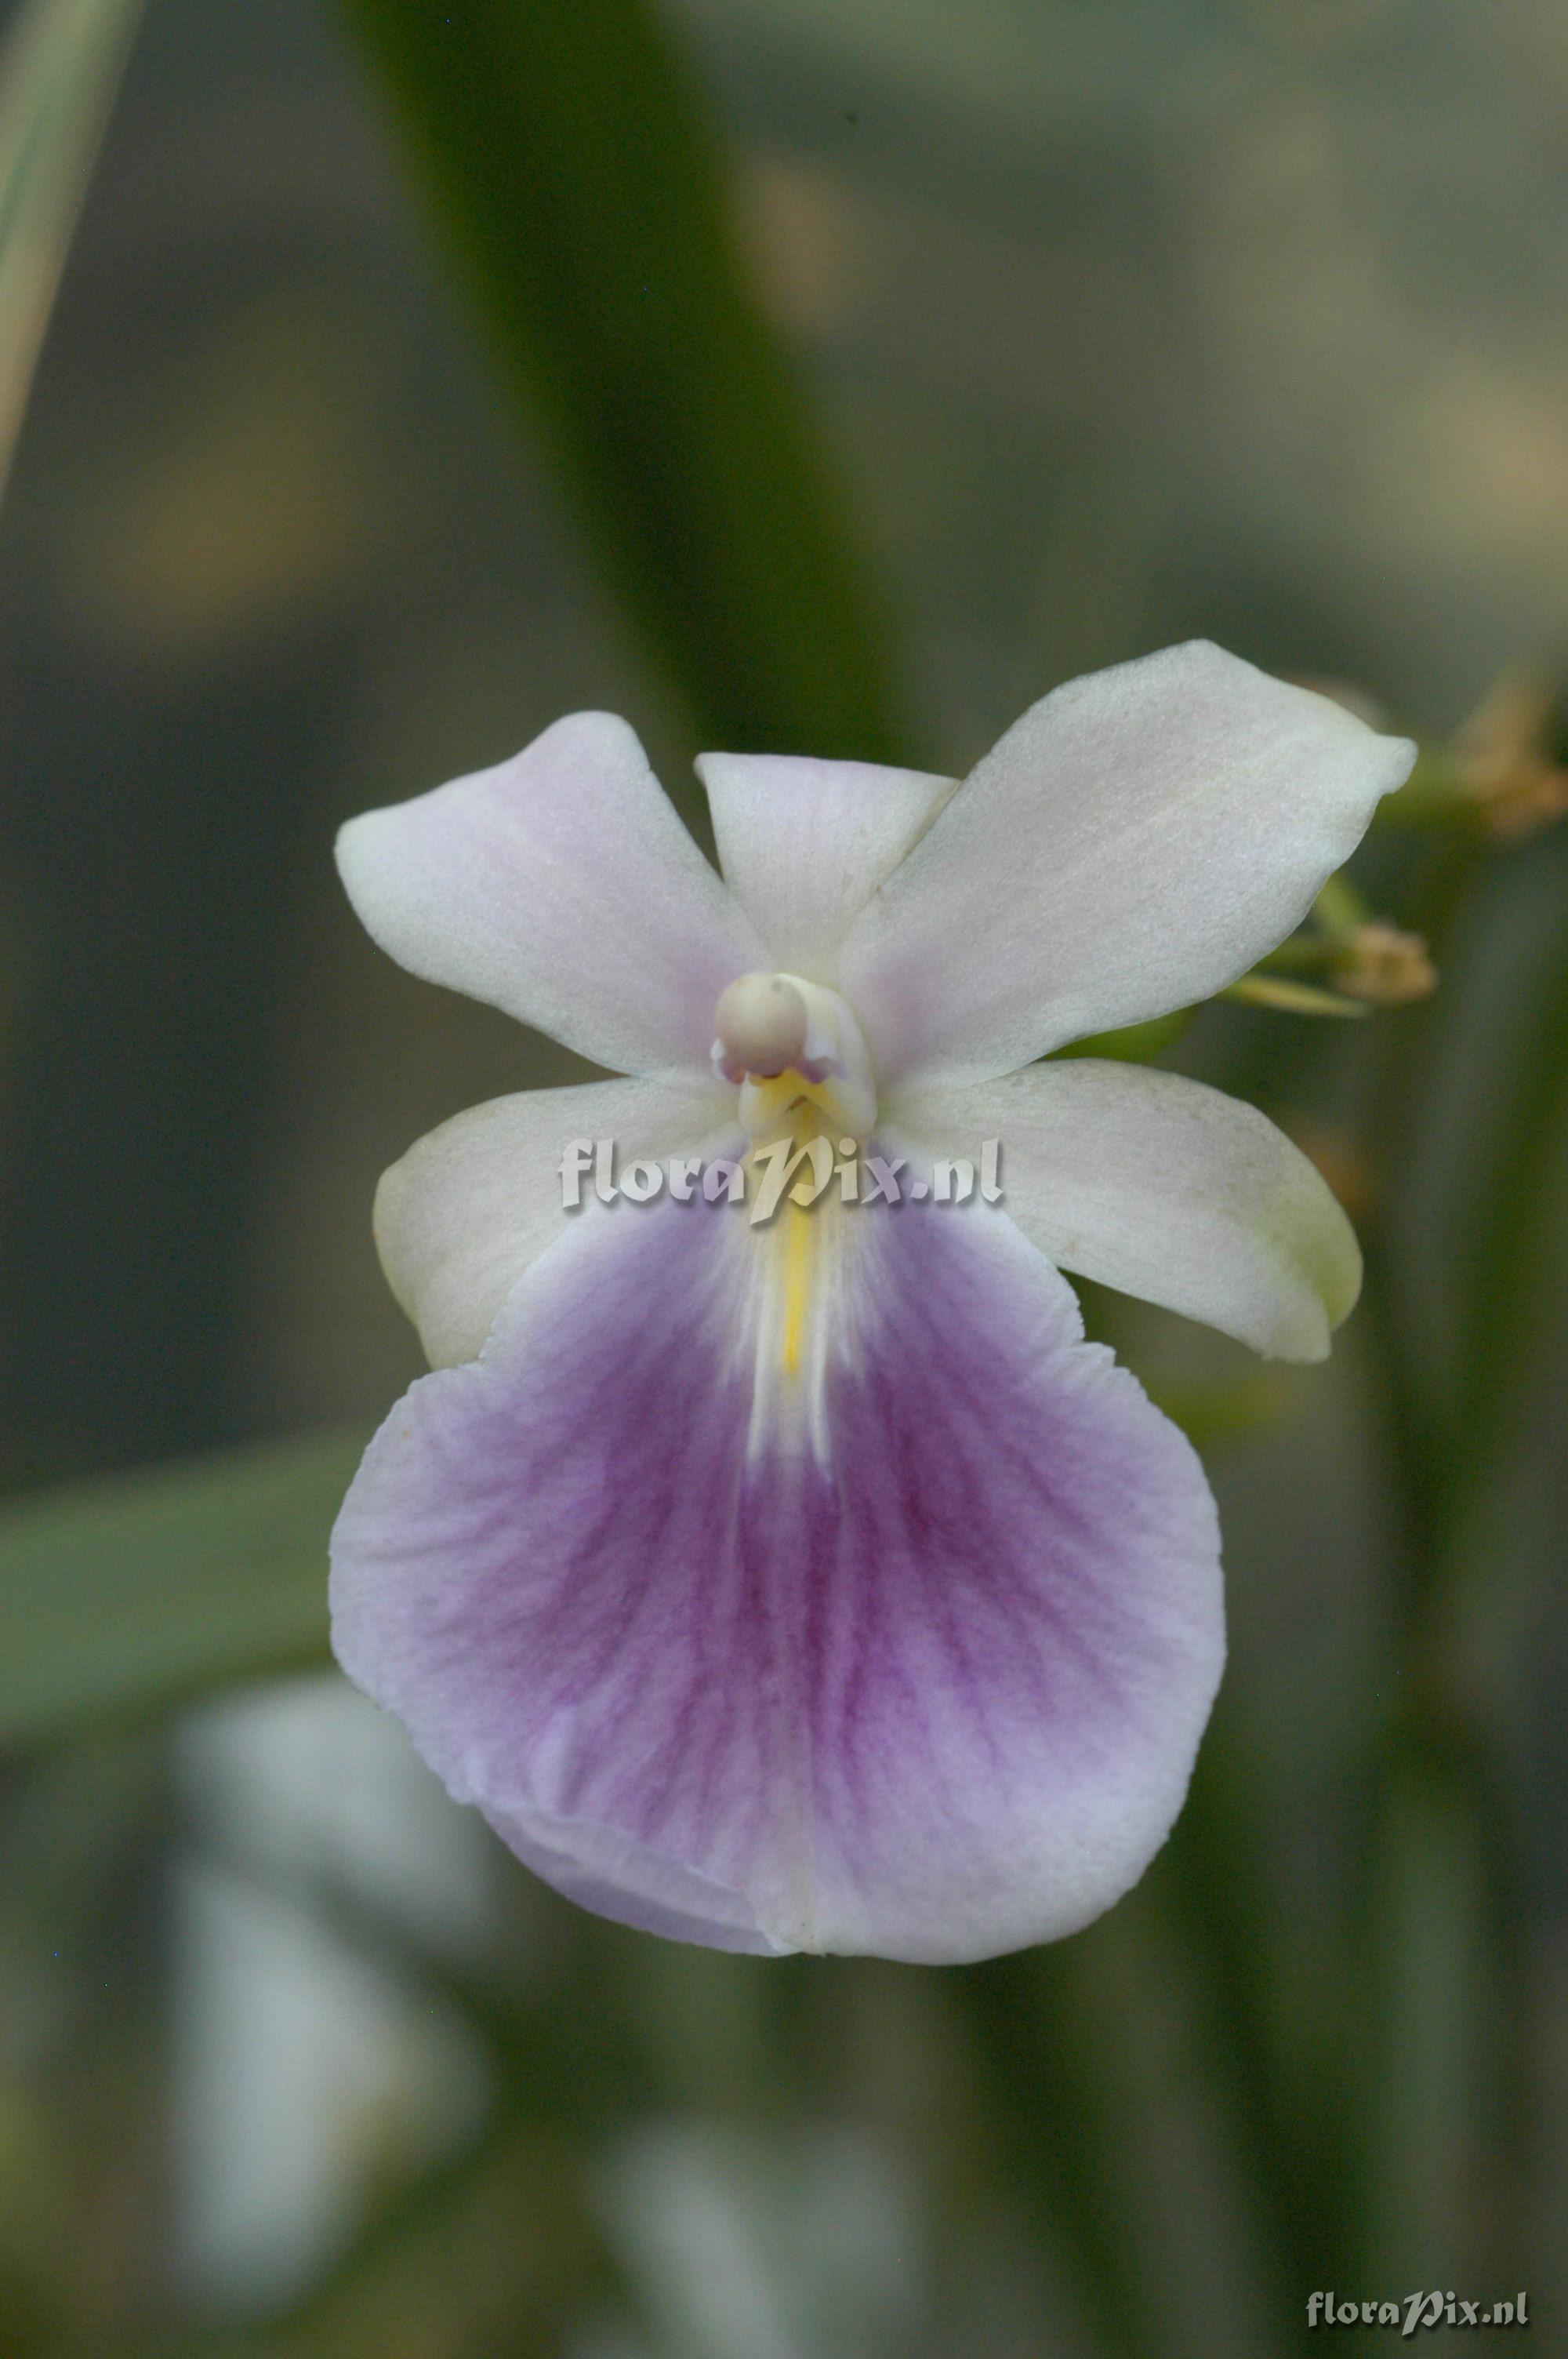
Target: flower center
798,1057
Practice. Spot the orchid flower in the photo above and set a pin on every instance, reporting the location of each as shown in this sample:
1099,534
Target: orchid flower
812,1583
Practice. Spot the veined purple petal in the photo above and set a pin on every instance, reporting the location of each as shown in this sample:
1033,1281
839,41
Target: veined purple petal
921,1673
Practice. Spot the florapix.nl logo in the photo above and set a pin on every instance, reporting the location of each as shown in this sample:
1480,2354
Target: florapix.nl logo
804,1171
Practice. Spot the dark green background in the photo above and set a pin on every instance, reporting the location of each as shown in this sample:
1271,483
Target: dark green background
827,373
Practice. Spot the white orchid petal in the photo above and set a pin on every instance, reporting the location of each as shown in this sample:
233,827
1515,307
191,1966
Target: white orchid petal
804,844
1161,1188
1132,845
561,887
472,1204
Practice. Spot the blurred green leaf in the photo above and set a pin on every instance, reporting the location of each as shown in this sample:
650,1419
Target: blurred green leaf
582,193
122,1594
1497,1243
1432,2003
1134,1044
59,70
1216,1416
1507,1258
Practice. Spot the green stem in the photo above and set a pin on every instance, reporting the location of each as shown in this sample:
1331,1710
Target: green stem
1450,2036
1043,2078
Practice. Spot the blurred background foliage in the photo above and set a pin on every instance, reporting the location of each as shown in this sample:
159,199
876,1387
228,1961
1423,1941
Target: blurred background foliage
829,372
